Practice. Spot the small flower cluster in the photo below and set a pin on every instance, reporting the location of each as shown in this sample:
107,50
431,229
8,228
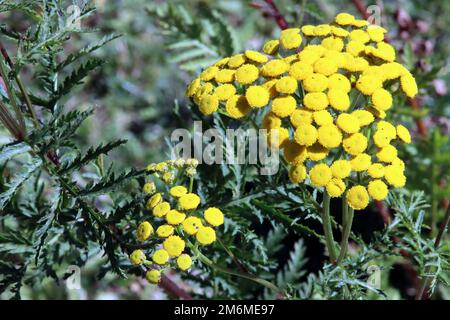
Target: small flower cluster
327,89
176,215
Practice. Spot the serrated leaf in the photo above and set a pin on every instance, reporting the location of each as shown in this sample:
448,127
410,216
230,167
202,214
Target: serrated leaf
16,182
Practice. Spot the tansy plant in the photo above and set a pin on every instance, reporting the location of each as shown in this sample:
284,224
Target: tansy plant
323,92
180,224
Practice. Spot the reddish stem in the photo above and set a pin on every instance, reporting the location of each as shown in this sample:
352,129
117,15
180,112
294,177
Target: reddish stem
276,14
171,288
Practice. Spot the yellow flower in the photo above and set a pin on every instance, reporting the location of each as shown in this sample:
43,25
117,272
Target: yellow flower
364,117
317,152
367,84
335,188
320,175
308,30
357,197
383,51
387,128
403,134
376,170
209,73
301,117
214,217
333,44
164,231
316,82
348,123
398,162
338,99
381,138
387,153
246,74
137,257
325,66
270,86
315,101
160,210
149,188
184,262
256,56
160,257
310,55
286,85
355,47
236,61
193,87
341,169
329,136
361,162
271,47
175,217
300,70
359,23
271,121
359,35
178,191
274,68
144,231
222,62
225,76
290,38
297,173
189,201
376,33
174,246
168,177
306,135
394,176
382,99
153,201
344,19
257,96
377,189
355,144
209,104
283,106
153,276
206,235
282,135
340,82
225,91
237,107
191,225
294,153
322,30
322,117
409,85
339,32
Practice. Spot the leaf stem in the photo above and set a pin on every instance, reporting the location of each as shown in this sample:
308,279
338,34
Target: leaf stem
244,275
425,280
327,229
347,220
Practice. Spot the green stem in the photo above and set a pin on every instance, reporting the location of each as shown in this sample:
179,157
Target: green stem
327,229
425,280
347,218
12,98
27,100
247,276
434,185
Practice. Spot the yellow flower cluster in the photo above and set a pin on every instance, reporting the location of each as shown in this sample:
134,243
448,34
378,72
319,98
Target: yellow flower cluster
176,215
325,91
